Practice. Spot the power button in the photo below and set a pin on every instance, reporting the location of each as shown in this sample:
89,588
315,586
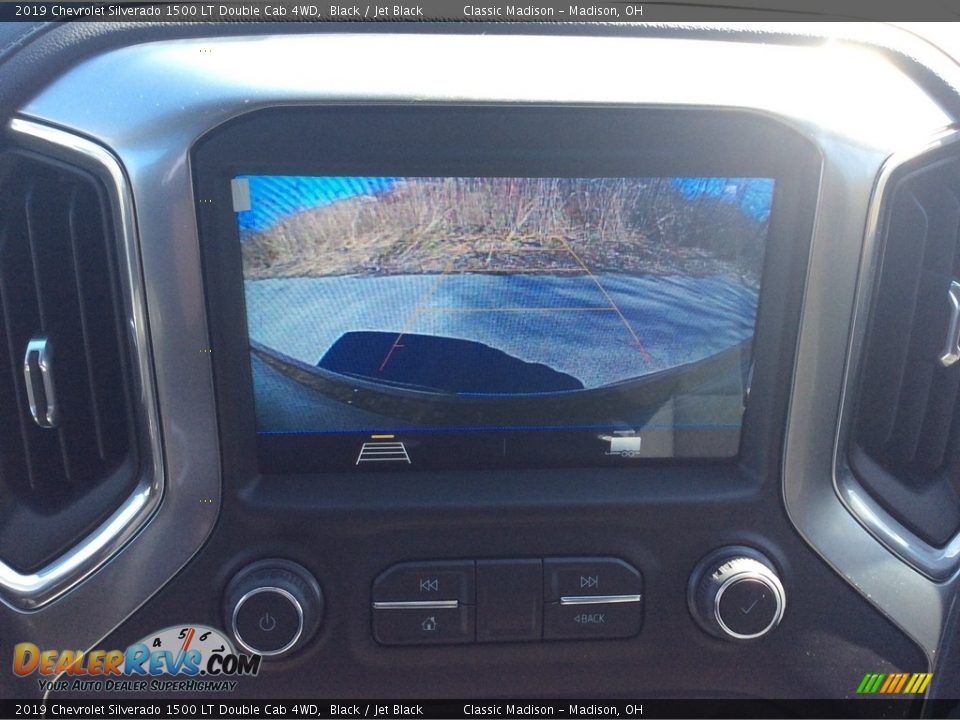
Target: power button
268,623
268,620
273,607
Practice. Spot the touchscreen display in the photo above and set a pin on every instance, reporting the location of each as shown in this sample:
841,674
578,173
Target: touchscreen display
430,322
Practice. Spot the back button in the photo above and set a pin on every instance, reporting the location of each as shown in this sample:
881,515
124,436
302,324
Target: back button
600,620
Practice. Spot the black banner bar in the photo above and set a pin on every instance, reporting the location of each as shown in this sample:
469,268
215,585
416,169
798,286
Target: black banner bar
579,11
215,709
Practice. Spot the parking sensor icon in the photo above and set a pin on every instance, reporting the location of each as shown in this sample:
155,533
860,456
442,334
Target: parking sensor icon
383,449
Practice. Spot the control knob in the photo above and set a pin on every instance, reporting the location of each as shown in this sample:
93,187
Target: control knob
273,607
735,594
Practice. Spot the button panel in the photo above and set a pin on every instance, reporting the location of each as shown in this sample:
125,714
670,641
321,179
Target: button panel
507,600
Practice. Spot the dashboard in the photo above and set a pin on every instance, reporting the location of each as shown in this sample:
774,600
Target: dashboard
413,375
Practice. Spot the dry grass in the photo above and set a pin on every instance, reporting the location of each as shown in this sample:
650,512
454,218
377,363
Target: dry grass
493,225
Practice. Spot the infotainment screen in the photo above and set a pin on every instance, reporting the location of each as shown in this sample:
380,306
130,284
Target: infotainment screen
430,322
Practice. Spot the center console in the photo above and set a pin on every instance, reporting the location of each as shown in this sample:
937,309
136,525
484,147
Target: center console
479,440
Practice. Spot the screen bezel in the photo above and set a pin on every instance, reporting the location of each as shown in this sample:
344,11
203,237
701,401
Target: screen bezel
501,141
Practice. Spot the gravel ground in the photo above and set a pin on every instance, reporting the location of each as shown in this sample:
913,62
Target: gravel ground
601,329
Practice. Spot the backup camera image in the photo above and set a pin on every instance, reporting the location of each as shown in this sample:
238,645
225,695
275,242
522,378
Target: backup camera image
622,309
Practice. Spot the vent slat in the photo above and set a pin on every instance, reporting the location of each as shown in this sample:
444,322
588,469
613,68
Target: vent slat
911,412
14,469
940,259
907,449
896,303
44,221
77,227
57,280
44,455
104,328
951,460
920,419
64,329
938,425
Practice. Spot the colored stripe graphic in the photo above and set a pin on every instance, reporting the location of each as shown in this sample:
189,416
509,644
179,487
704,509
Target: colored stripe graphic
914,681
903,681
867,684
895,683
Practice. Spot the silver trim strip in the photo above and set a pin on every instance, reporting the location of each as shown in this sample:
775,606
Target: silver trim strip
820,498
30,591
937,563
598,599
951,350
256,591
771,581
40,350
417,605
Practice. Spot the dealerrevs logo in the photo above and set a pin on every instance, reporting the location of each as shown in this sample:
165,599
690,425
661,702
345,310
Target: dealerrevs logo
190,658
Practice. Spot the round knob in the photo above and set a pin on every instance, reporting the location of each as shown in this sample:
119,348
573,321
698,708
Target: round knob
735,594
273,607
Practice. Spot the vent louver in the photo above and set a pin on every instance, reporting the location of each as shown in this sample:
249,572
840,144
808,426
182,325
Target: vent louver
906,434
61,316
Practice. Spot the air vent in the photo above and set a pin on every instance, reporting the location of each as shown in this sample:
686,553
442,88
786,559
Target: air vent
906,434
67,457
